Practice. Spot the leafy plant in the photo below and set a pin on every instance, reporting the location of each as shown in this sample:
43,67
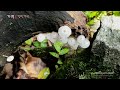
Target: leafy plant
94,16
64,51
54,54
60,51
29,41
42,44
116,13
58,46
36,44
60,61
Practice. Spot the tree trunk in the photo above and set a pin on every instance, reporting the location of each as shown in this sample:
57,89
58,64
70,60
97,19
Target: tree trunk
18,26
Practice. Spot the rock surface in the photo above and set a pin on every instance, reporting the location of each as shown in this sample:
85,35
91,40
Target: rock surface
106,45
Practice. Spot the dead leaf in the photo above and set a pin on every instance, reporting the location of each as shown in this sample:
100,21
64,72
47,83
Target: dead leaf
23,67
21,75
8,70
49,43
79,16
33,65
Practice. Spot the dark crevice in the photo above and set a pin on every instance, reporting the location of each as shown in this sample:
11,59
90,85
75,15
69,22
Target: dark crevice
94,36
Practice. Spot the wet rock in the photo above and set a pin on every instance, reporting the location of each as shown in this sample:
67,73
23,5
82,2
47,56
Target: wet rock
106,46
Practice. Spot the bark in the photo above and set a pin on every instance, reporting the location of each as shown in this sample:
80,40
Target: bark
16,29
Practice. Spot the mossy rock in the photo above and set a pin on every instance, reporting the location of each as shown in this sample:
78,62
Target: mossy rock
81,64
72,67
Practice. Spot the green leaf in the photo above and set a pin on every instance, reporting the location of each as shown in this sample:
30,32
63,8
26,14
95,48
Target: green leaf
26,48
29,41
43,45
44,73
59,61
54,54
36,44
58,45
87,13
64,51
93,14
91,22
116,13
45,41
56,66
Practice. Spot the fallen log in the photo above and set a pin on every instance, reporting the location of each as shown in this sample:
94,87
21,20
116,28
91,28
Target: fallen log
18,26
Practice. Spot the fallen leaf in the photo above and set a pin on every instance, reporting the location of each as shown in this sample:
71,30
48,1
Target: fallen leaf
23,67
8,70
33,65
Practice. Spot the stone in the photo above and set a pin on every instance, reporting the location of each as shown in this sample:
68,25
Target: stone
106,45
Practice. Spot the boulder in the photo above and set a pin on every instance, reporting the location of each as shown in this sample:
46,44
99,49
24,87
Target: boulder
106,46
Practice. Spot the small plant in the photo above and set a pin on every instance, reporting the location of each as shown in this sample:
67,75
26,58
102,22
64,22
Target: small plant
29,42
60,51
94,16
42,44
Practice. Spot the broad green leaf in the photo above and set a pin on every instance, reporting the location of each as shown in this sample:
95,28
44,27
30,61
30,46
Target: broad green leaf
87,13
36,44
91,22
116,13
58,45
29,41
59,61
44,73
93,14
43,45
64,51
54,54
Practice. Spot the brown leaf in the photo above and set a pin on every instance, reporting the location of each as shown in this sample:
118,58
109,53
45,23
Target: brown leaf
8,70
79,16
21,75
33,65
